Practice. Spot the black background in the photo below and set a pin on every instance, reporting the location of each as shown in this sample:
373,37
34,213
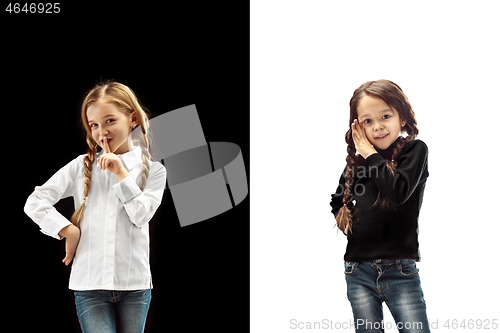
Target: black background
171,56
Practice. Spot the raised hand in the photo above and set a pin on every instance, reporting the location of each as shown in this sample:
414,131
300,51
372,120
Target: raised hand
363,145
109,161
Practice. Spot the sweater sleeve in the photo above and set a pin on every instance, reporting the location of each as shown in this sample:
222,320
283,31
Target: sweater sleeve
40,204
398,187
336,203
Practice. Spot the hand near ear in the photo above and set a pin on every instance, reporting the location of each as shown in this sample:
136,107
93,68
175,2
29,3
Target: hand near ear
363,145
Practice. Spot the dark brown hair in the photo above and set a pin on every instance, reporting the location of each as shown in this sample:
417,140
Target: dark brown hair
394,96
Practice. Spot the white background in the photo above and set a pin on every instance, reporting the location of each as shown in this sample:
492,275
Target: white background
307,58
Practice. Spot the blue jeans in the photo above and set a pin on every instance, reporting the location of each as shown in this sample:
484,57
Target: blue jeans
106,311
396,282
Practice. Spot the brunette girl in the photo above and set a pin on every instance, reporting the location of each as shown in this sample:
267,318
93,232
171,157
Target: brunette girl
377,205
116,190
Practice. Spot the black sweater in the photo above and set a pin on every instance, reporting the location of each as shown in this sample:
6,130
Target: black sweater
386,233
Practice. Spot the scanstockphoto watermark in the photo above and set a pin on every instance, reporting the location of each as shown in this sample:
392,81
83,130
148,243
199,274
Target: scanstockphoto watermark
329,324
361,172
449,324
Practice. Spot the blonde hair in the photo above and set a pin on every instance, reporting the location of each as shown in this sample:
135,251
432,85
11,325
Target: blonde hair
124,98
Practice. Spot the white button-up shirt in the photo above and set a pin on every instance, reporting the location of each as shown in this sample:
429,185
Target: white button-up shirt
113,252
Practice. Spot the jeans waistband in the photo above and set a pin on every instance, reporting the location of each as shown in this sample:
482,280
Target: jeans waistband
385,262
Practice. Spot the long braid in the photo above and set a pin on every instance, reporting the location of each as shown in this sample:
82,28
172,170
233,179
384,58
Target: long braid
87,177
345,216
145,156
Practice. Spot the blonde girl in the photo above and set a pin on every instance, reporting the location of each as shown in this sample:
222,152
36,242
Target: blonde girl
377,205
116,189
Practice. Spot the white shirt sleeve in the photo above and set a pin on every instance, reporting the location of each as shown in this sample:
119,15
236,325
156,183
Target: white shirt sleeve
141,205
40,204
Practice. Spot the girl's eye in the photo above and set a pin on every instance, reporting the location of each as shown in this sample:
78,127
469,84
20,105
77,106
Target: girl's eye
109,121
386,116
367,121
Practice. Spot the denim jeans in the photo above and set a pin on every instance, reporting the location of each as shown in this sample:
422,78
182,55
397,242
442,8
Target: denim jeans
106,311
396,282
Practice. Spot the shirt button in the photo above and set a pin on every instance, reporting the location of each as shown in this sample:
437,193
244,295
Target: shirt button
110,239
111,214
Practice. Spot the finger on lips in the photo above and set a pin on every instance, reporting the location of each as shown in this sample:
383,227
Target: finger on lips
106,145
101,162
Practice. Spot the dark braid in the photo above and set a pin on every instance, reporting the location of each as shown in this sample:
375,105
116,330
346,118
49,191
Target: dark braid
344,217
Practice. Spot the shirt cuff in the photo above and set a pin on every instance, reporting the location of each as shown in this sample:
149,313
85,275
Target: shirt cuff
52,223
127,189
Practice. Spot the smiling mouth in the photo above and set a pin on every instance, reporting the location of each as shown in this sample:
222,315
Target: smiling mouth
381,137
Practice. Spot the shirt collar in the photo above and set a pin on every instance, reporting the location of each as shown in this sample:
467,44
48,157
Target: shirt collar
131,158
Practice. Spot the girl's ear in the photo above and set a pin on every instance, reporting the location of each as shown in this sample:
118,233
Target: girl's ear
133,120
403,123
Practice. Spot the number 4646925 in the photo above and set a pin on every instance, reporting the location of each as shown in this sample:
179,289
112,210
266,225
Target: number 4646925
47,8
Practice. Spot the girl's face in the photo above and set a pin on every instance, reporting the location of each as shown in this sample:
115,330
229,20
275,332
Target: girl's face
381,122
107,121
